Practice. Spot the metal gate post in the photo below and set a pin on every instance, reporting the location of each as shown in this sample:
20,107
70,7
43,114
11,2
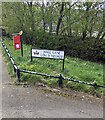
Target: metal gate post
18,75
60,82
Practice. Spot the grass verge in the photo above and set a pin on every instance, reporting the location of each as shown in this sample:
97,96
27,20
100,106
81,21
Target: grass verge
74,67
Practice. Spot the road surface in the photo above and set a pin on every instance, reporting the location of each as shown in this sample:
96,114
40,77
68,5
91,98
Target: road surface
34,102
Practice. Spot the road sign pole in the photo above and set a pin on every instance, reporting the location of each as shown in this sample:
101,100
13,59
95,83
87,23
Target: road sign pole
21,46
31,54
20,33
63,64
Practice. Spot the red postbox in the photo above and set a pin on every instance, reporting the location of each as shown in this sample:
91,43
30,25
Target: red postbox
17,42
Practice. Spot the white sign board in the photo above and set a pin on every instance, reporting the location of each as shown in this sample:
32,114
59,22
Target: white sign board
48,54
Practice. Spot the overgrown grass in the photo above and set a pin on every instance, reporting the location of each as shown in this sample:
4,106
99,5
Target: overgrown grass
74,67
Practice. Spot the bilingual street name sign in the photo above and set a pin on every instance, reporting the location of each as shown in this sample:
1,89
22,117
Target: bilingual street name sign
48,54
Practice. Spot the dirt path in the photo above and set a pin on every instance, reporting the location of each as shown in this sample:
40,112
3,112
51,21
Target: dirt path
33,102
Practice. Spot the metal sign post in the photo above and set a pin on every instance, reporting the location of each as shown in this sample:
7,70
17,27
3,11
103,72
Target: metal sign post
20,33
21,47
63,64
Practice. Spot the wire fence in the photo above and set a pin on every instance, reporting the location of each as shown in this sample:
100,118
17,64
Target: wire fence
60,78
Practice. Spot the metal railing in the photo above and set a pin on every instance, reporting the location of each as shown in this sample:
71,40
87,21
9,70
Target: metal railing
17,70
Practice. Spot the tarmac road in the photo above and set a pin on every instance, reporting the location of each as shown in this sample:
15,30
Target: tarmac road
34,102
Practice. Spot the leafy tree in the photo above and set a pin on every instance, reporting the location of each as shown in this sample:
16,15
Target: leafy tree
76,27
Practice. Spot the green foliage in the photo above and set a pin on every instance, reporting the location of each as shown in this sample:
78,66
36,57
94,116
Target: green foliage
32,79
80,21
74,68
90,49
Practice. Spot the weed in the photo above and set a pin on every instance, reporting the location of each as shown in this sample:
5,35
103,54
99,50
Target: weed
74,67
